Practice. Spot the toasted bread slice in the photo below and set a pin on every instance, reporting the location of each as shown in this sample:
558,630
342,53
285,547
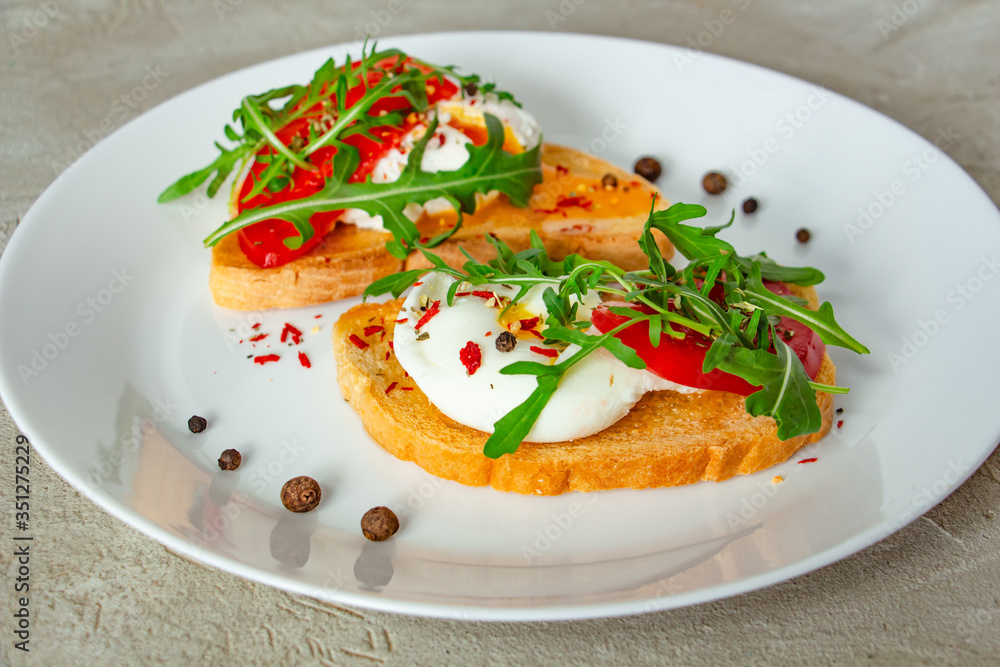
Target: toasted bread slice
604,225
667,439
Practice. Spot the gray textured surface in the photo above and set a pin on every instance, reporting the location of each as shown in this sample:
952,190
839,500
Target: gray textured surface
105,594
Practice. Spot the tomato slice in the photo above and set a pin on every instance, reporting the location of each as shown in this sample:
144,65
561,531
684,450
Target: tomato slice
680,360
264,242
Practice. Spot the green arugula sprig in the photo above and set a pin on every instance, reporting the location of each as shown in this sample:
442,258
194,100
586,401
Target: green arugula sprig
674,302
323,102
489,167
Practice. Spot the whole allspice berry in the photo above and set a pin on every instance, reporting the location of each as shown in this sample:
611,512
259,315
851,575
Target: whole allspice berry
714,183
649,168
803,235
506,341
197,424
750,205
301,494
379,523
230,460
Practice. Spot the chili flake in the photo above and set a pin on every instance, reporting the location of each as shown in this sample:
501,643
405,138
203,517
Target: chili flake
256,326
544,351
360,344
390,387
258,337
289,330
373,329
304,360
528,323
840,424
808,461
402,320
265,359
431,311
471,357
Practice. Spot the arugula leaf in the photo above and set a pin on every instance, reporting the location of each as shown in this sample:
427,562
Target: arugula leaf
785,392
740,324
511,429
821,321
489,168
700,244
623,352
330,120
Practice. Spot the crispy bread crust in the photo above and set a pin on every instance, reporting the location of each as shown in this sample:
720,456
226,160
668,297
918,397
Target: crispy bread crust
668,438
349,259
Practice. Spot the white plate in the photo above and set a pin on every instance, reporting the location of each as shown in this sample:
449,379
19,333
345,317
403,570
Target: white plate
147,356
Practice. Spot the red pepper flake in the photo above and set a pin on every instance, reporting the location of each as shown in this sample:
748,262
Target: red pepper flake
488,334
289,330
256,326
582,202
534,333
390,387
265,359
840,424
387,354
431,311
317,317
373,329
391,347
482,294
807,461
258,337
528,323
544,351
418,283
406,388
304,360
471,357
402,320
360,344
561,169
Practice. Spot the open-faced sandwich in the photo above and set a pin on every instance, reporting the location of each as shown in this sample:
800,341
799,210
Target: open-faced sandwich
342,181
541,376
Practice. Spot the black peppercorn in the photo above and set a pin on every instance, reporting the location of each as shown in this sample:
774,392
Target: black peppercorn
197,424
750,205
803,235
470,89
714,183
230,460
506,341
648,167
379,523
301,494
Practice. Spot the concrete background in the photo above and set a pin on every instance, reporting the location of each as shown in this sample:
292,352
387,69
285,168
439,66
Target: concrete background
105,594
